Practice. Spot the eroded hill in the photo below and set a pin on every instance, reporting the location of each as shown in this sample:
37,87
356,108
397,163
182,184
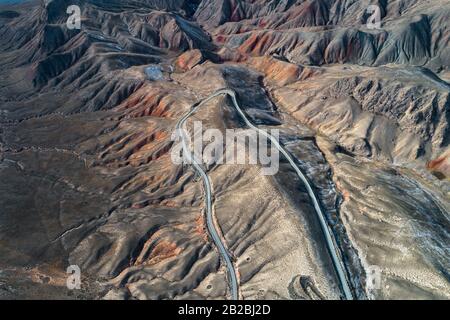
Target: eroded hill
86,123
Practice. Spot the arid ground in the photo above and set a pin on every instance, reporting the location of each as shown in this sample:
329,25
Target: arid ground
86,175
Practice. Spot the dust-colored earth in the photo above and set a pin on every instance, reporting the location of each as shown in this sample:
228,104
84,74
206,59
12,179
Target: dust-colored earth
87,179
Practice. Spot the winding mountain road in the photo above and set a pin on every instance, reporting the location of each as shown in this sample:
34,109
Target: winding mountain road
333,250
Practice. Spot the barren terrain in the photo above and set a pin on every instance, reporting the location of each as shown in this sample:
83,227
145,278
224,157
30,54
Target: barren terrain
86,176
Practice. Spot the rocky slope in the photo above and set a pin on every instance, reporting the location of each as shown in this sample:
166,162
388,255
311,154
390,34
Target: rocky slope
86,118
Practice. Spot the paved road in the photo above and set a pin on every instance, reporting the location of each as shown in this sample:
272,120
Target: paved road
337,262
208,200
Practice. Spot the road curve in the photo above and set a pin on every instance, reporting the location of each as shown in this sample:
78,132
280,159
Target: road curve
208,200
333,250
